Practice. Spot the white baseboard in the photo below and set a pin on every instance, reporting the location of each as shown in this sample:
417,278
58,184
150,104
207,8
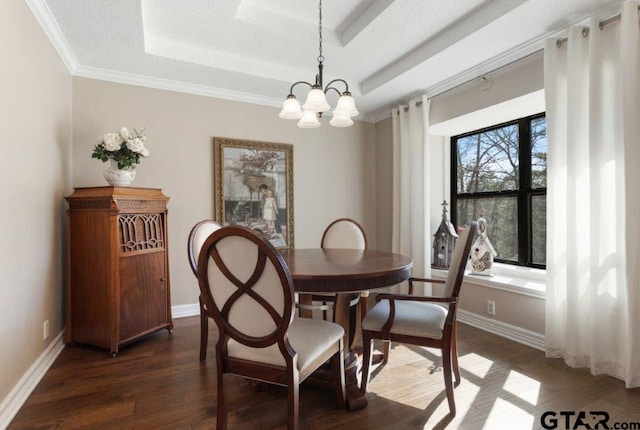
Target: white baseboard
16,398
183,311
499,328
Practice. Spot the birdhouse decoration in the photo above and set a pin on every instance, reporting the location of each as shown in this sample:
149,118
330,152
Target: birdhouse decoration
482,252
444,240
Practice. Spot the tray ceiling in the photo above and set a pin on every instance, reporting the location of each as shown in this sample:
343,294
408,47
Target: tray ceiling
253,50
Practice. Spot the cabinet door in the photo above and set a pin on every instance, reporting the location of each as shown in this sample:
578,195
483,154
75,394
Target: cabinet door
143,294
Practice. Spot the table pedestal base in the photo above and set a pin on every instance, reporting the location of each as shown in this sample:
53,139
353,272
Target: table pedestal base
352,365
356,399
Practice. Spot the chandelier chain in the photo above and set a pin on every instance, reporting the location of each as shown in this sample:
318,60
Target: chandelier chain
320,57
316,104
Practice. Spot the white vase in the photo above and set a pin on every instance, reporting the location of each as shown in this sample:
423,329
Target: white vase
119,177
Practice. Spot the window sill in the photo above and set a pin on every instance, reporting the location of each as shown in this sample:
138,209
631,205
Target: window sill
515,279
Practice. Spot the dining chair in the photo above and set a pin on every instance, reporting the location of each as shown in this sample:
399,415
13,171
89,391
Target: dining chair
247,288
199,233
421,320
341,233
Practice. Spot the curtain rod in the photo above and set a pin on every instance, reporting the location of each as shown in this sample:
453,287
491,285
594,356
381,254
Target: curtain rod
584,32
483,77
611,20
559,42
601,25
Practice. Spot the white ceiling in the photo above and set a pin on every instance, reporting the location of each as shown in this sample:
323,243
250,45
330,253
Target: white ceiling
253,50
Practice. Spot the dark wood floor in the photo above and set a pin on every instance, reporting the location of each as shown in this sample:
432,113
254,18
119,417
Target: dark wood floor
158,383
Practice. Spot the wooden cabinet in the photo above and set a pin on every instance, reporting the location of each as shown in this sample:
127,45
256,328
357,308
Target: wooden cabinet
118,266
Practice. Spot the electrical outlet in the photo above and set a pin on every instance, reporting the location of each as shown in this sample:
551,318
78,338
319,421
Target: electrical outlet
491,307
45,330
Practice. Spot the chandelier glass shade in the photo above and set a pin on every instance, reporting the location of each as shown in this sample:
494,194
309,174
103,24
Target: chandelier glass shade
341,121
316,103
309,119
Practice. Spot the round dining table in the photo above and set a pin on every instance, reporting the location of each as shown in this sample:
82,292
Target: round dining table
345,272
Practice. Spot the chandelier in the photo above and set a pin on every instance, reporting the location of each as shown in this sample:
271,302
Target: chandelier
311,111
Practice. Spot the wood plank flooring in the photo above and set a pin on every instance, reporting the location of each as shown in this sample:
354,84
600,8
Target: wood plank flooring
158,383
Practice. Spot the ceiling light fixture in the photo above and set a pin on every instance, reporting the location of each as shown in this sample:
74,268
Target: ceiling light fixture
316,103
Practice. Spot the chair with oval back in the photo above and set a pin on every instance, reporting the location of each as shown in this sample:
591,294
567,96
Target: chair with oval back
421,320
344,233
247,287
198,235
341,233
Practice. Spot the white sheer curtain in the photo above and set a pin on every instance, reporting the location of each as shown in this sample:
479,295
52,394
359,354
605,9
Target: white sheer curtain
411,235
593,206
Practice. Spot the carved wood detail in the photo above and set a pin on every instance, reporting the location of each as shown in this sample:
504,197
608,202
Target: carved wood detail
139,232
118,287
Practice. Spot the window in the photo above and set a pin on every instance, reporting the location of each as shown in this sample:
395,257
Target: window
500,173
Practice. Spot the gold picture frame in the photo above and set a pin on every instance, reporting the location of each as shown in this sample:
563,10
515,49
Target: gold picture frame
253,187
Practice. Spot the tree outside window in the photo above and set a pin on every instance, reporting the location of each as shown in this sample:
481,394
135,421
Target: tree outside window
500,173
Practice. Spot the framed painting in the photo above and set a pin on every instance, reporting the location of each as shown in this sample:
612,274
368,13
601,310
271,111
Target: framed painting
253,187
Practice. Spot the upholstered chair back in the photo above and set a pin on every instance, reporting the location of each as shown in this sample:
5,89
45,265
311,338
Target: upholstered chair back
459,261
246,286
199,233
344,233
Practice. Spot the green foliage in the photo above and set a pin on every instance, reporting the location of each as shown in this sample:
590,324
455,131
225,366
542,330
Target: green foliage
125,147
488,162
502,222
126,158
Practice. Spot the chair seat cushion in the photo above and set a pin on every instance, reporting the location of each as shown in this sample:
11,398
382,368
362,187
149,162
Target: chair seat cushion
411,318
310,338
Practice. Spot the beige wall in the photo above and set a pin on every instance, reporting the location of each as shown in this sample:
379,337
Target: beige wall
35,125
384,183
522,78
334,173
512,308
337,172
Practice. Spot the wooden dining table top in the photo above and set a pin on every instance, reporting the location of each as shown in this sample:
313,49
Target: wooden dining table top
345,270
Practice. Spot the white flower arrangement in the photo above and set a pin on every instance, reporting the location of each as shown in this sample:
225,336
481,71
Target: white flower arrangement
125,147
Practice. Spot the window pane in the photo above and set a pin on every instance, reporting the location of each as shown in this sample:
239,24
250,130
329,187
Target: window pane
488,161
539,153
501,214
539,229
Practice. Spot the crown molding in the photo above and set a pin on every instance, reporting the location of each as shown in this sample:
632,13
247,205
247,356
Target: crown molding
171,85
45,18
472,74
524,50
494,64
501,61
49,25
180,87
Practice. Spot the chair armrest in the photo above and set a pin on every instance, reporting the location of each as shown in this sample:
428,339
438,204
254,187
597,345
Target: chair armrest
433,281
384,296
